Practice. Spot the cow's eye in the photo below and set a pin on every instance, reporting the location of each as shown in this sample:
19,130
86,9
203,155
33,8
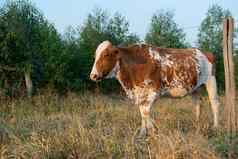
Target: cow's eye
106,55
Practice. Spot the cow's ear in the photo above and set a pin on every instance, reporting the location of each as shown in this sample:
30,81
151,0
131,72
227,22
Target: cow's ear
114,50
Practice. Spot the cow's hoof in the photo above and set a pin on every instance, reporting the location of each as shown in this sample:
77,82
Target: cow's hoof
147,132
152,128
142,133
152,132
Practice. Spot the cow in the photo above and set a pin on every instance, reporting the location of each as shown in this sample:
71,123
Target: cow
147,72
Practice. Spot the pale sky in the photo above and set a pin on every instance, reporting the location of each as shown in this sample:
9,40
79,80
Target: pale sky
188,13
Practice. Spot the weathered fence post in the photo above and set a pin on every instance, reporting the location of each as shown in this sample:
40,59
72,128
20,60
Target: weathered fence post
228,28
29,84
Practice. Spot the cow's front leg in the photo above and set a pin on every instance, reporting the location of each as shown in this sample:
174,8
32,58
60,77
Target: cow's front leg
148,126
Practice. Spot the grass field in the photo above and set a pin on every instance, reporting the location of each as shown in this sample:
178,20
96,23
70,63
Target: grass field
86,126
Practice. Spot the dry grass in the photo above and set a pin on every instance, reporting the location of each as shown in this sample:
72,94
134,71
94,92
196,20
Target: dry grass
87,126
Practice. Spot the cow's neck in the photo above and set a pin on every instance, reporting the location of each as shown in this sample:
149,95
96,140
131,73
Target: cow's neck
135,68
114,71
124,74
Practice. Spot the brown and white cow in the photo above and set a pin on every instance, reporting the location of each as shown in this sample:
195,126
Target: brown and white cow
147,72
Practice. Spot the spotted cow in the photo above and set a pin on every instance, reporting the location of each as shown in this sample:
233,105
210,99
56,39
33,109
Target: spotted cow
146,72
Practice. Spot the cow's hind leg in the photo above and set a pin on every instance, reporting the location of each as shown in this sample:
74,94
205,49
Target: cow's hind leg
211,87
196,103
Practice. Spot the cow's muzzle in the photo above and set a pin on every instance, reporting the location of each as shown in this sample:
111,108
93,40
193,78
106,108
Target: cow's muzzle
95,77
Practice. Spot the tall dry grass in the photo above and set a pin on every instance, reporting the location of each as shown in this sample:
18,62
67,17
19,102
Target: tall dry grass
86,126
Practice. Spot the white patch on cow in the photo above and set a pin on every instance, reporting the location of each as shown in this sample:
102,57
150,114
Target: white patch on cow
141,44
168,56
114,71
143,94
152,97
129,94
94,69
147,82
204,68
154,54
164,60
138,95
101,47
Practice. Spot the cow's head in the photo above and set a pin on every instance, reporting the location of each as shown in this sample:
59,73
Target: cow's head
106,58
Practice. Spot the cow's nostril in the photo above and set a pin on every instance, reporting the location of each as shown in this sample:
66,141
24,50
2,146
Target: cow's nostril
94,77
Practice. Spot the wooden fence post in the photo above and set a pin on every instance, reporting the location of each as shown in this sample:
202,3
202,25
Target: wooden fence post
228,28
29,84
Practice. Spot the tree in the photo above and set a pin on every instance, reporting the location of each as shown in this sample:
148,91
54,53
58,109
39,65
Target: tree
30,47
118,31
71,71
210,38
53,56
20,25
164,31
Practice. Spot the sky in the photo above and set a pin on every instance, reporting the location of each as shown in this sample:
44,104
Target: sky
188,13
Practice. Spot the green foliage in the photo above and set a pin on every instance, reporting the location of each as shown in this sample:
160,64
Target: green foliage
28,42
20,31
210,38
164,31
118,31
55,58
223,147
20,35
71,75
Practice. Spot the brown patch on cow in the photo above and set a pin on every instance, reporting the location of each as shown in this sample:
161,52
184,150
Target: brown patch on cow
124,76
136,66
210,57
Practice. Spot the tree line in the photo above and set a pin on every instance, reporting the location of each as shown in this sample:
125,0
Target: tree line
34,55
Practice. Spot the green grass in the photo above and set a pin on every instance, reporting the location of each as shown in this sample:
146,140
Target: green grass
87,126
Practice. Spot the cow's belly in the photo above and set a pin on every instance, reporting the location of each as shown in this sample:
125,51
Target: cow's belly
177,92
